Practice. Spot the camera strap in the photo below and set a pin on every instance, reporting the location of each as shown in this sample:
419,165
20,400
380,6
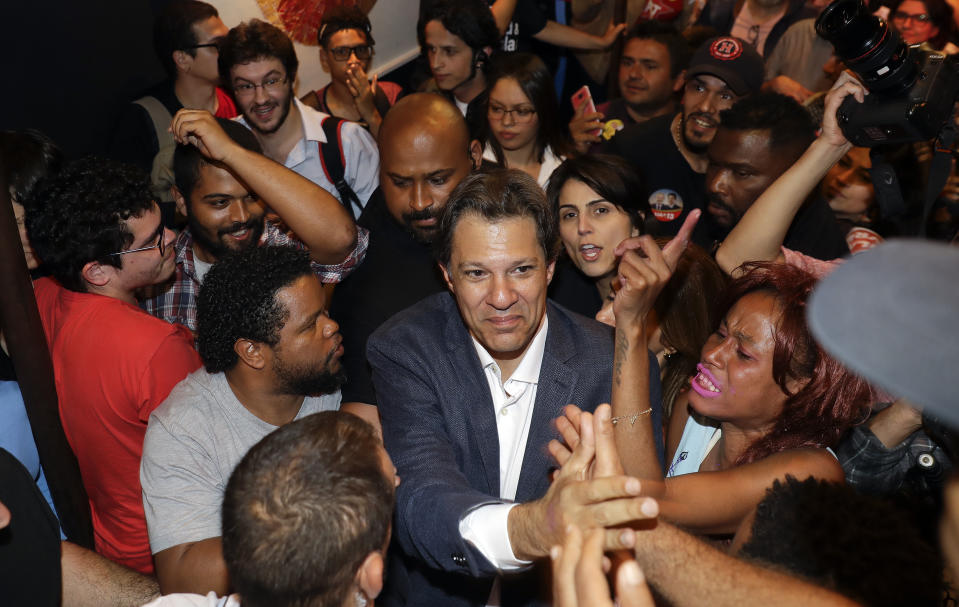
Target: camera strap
886,184
939,169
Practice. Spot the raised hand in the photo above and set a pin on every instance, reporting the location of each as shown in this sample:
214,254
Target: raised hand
579,581
644,269
584,128
199,128
363,91
845,85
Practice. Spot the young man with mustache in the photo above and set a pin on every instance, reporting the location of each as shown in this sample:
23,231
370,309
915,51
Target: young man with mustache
670,151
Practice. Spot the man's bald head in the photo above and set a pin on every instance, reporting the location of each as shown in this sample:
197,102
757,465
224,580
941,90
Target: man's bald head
426,113
425,151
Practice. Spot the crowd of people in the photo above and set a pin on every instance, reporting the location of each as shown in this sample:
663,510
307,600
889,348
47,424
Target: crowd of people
580,312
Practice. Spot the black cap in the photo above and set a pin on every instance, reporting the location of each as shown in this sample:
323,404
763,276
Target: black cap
731,60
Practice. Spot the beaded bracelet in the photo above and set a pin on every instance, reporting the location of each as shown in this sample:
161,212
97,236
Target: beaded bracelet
632,418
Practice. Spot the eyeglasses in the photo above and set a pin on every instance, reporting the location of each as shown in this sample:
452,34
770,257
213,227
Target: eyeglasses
520,115
161,245
215,43
342,53
270,85
922,18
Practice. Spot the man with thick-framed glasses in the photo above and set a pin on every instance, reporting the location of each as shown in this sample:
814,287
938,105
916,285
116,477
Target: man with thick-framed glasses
98,231
258,62
186,37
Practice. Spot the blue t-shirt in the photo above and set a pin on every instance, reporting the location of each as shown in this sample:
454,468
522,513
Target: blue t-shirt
17,438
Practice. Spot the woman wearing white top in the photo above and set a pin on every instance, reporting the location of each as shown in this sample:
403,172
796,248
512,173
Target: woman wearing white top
523,130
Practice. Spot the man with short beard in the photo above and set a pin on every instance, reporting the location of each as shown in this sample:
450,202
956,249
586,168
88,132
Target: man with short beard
258,63
670,151
425,151
224,186
271,355
651,70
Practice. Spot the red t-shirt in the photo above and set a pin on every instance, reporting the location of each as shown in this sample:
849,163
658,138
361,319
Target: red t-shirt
113,364
225,107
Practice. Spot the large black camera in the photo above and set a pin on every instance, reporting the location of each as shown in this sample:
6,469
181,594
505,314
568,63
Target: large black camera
912,92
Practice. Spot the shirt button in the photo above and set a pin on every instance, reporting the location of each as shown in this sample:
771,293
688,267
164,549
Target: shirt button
504,412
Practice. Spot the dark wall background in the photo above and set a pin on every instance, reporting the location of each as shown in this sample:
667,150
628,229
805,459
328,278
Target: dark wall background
69,66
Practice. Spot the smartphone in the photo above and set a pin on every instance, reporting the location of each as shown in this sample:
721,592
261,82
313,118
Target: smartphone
581,98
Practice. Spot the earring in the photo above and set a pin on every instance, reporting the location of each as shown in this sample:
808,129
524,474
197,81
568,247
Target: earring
359,599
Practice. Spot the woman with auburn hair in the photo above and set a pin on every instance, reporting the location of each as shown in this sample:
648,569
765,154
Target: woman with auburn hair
766,401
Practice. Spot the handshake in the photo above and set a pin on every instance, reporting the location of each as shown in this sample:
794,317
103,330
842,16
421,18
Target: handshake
591,507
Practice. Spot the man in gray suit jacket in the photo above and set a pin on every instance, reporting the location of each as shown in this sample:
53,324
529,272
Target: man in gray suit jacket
468,384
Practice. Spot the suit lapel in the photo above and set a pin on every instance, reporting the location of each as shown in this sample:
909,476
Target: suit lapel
553,391
474,398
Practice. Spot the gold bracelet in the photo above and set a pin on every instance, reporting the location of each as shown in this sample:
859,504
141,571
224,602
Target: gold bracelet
632,418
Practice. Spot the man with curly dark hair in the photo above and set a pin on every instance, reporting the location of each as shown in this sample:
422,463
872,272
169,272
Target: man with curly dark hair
271,355
97,230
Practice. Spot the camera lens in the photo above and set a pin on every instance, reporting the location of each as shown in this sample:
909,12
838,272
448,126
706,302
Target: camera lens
869,47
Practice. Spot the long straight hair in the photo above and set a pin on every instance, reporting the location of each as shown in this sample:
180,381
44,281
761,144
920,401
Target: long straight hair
534,79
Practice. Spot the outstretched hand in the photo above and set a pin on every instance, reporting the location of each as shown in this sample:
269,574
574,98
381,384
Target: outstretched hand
587,492
579,581
600,434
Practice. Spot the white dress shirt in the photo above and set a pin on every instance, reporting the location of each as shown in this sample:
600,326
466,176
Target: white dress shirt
486,527
361,158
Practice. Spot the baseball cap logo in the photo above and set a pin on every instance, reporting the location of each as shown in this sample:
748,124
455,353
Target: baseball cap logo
726,49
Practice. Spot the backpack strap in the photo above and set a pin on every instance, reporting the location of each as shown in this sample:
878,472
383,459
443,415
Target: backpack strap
334,163
161,172
161,118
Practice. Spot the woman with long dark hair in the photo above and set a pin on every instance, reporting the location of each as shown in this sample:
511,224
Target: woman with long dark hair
523,130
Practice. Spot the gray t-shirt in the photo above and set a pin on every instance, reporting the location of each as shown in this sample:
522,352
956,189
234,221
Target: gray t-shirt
193,442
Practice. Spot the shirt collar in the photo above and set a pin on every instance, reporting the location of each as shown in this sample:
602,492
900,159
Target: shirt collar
312,119
528,369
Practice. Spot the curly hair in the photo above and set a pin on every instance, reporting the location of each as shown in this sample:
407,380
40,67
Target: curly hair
237,300
79,216
303,509
861,546
343,18
254,40
833,399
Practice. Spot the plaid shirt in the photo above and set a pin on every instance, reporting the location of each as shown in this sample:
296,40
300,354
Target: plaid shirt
873,468
177,301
